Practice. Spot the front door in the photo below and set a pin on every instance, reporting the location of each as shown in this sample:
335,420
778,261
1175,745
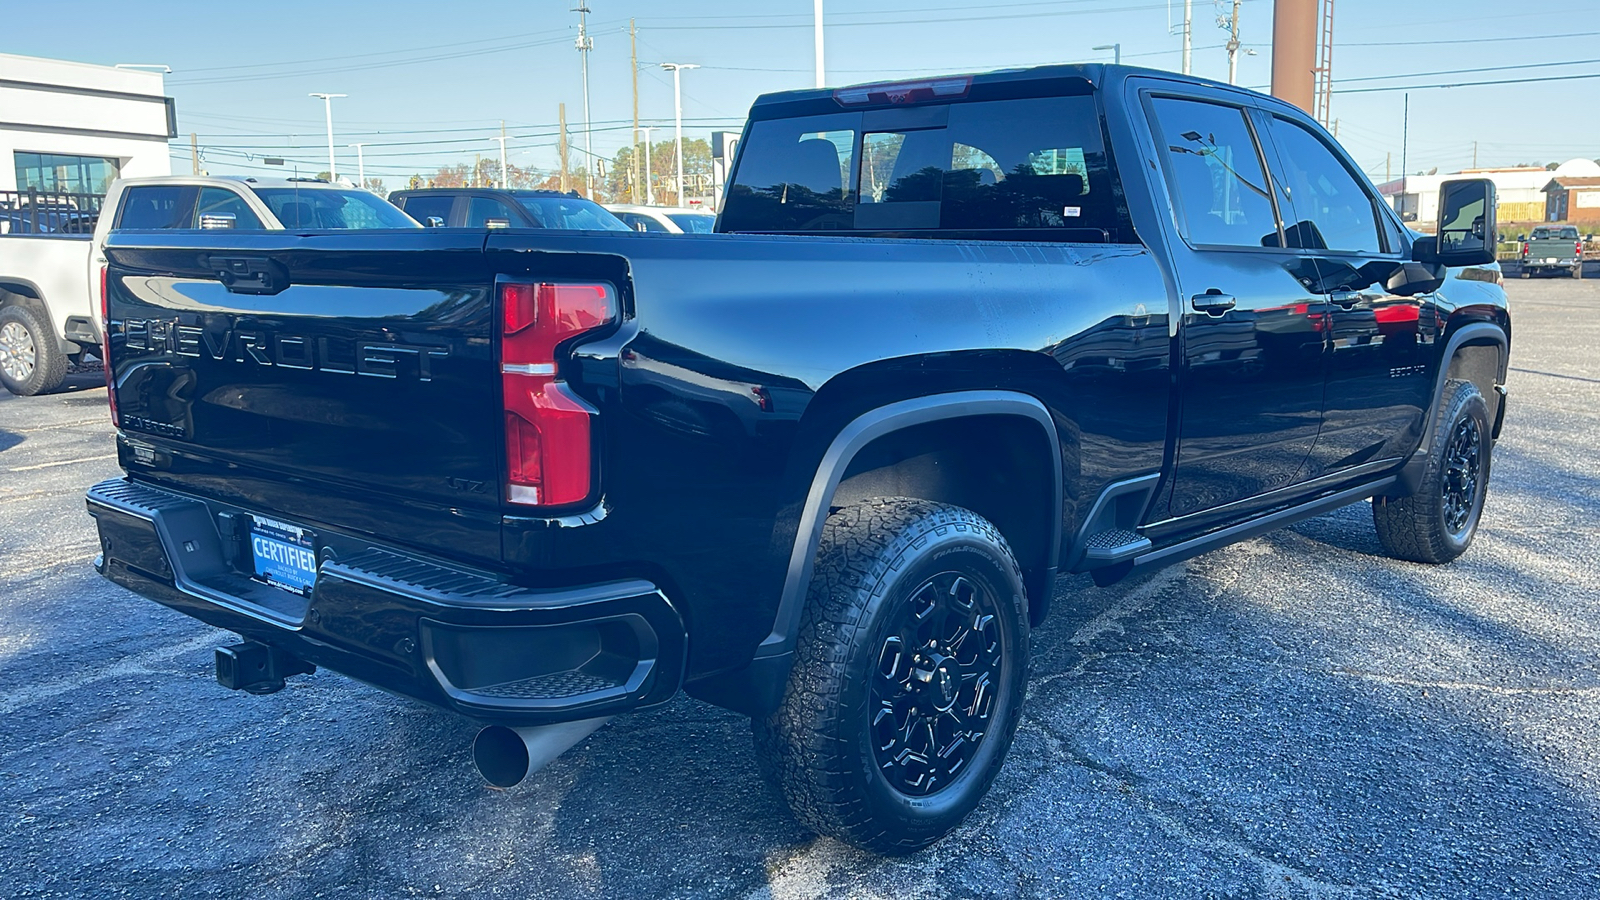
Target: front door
1252,333
1381,363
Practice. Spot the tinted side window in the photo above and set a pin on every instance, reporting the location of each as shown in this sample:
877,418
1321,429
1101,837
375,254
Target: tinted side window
158,206
795,175
1214,170
1331,209
487,212
1002,165
420,208
221,201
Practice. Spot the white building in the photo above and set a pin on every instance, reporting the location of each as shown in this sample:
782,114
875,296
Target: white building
1519,192
74,128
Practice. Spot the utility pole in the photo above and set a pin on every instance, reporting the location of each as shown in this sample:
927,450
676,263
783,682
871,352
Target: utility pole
677,105
649,179
1116,52
327,108
562,144
361,166
1233,45
1474,154
816,28
585,44
1188,29
194,151
1388,161
633,54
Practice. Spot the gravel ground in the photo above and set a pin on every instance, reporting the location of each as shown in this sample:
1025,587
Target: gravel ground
1295,716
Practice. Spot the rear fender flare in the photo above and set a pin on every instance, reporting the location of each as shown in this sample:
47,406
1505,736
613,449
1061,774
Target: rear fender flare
855,436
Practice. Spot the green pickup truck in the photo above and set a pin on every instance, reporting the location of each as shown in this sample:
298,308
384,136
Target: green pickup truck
1551,248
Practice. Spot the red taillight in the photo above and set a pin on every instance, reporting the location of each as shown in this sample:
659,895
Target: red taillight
548,456
903,92
105,344
1524,248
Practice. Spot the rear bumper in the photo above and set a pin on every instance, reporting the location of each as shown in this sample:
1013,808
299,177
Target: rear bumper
459,638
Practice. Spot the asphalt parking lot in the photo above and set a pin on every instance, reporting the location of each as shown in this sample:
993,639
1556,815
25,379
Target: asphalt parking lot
1291,717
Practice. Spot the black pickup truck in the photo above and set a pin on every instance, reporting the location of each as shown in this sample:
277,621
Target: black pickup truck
956,338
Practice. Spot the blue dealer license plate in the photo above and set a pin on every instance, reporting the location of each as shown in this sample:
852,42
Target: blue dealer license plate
285,556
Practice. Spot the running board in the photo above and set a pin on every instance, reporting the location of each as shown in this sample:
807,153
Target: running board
1205,543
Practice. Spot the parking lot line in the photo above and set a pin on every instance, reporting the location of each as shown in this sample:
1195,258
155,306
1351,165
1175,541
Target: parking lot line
60,462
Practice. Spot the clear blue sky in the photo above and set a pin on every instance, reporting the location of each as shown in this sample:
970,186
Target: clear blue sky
433,80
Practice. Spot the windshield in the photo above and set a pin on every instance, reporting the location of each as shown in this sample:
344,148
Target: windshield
572,213
322,208
693,223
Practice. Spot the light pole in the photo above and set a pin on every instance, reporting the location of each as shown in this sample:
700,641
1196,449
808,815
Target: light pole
585,44
327,108
1116,52
361,166
817,28
677,104
504,172
649,182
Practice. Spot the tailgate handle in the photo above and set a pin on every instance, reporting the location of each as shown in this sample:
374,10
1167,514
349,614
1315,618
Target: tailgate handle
249,274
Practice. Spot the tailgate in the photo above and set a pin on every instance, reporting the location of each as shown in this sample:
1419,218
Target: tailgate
346,379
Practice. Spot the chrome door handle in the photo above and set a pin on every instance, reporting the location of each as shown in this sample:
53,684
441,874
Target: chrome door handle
1213,302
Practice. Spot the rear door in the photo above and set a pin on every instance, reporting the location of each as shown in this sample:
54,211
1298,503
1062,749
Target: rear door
1252,334
347,379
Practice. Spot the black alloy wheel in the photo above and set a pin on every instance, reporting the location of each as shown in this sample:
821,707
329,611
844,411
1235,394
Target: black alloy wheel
1460,494
909,673
933,696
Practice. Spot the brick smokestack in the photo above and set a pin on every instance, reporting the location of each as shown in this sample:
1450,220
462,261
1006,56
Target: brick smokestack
1294,51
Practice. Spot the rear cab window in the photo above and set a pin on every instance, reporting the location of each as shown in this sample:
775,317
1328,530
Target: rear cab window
216,201
157,206
332,209
487,212
423,207
1009,169
1569,232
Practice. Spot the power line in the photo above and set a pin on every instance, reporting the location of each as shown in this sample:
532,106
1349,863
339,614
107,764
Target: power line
1422,87
1485,40
1545,65
924,21
333,70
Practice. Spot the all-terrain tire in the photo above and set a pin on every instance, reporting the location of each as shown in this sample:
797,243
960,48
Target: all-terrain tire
1437,523
31,361
916,616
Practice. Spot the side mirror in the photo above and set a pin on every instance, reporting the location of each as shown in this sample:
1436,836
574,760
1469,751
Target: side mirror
1522,237
210,221
1466,220
433,222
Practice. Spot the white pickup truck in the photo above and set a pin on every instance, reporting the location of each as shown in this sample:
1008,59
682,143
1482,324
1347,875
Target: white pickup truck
50,264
